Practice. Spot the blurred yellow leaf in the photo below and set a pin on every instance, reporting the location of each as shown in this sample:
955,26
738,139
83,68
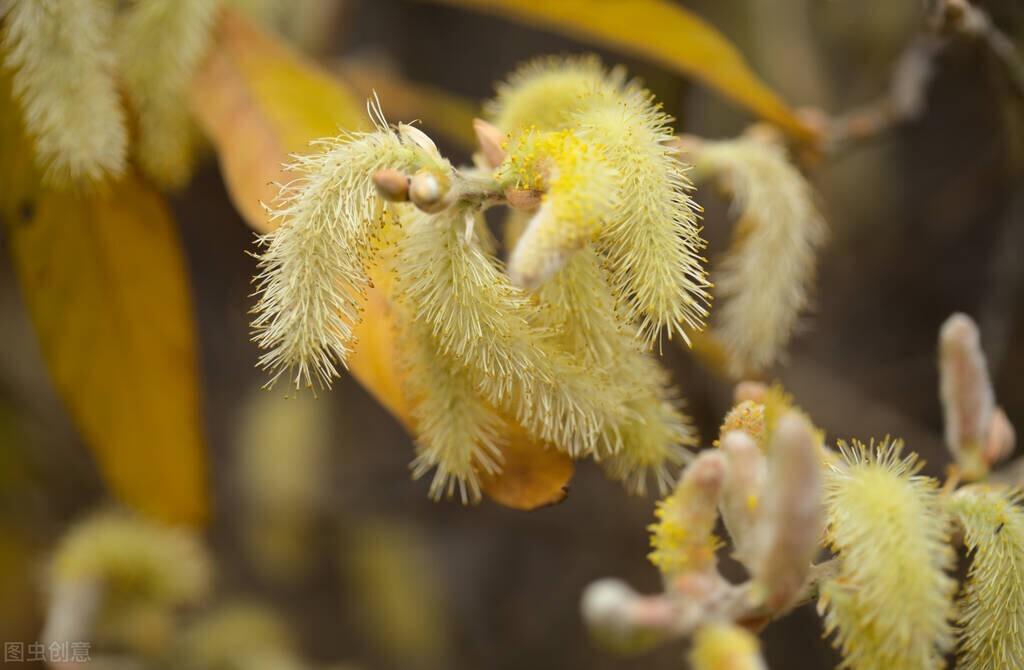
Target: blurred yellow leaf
660,31
533,475
440,111
104,281
257,101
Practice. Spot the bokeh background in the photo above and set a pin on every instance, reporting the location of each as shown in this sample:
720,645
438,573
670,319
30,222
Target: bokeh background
316,514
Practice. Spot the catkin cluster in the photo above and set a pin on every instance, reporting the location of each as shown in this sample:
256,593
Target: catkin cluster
887,593
73,59
603,258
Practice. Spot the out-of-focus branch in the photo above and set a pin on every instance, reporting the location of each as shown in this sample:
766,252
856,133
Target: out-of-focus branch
904,101
962,17
907,94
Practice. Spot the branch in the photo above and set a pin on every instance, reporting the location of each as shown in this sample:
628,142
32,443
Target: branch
906,98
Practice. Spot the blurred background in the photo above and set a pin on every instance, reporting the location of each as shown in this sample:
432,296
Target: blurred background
315,512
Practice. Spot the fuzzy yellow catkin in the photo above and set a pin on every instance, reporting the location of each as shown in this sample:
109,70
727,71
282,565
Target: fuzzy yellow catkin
578,307
480,320
724,646
314,277
64,79
991,609
655,435
159,46
544,92
652,244
891,604
746,416
579,189
457,433
763,282
683,539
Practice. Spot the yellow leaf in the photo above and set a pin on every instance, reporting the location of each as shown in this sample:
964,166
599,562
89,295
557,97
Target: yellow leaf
660,31
103,277
104,280
439,110
257,101
532,476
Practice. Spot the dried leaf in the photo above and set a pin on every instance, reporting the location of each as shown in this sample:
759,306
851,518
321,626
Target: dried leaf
663,32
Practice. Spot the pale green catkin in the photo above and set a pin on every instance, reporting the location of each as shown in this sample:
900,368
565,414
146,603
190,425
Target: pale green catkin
763,282
458,434
65,81
314,273
160,44
481,320
991,609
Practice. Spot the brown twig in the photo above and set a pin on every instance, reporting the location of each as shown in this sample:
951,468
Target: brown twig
906,97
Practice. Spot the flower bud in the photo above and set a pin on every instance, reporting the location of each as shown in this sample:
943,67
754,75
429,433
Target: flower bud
490,140
1001,438
393,185
683,539
426,192
749,390
968,401
793,518
741,504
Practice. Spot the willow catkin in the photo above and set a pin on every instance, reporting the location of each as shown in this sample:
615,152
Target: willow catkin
891,604
159,45
763,283
481,320
579,195
653,244
990,622
65,81
314,273
577,306
458,435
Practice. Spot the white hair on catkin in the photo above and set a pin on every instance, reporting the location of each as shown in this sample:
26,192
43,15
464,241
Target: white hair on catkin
160,44
64,79
314,267
763,282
